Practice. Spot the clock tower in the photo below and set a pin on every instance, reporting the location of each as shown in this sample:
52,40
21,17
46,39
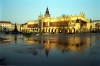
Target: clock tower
47,15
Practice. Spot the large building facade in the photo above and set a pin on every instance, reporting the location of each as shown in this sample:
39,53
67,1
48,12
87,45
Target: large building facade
63,24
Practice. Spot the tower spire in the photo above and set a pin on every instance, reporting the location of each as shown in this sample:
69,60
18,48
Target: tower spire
47,12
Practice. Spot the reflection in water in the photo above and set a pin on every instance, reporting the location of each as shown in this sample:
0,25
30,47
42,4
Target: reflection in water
45,48
15,38
61,43
71,43
35,52
5,41
9,38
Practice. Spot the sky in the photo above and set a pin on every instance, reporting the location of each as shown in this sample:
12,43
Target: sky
21,11
0,9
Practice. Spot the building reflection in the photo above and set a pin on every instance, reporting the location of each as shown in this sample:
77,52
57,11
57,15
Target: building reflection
5,41
15,38
74,44
28,40
8,39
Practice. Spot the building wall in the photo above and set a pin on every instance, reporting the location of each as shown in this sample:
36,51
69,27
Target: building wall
77,27
8,26
30,26
19,27
96,24
13,26
5,26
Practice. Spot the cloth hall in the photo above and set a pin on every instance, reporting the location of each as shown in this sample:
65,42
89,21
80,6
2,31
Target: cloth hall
63,24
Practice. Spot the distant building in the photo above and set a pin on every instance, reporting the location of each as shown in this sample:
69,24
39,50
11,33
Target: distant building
63,24
5,26
96,25
8,26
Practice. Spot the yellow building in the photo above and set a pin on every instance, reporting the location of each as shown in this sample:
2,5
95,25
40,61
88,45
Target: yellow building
5,26
96,25
8,26
63,24
30,26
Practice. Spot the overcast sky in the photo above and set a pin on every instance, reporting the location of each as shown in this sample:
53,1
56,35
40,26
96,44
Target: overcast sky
21,11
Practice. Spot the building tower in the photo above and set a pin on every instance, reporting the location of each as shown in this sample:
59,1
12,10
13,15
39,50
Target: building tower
40,24
47,15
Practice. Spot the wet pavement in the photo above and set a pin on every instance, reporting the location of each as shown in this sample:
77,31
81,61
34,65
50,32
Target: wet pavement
51,50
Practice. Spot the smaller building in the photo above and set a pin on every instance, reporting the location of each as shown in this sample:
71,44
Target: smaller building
96,25
5,26
8,26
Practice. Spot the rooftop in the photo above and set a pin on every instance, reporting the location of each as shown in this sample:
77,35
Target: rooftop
8,22
96,20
